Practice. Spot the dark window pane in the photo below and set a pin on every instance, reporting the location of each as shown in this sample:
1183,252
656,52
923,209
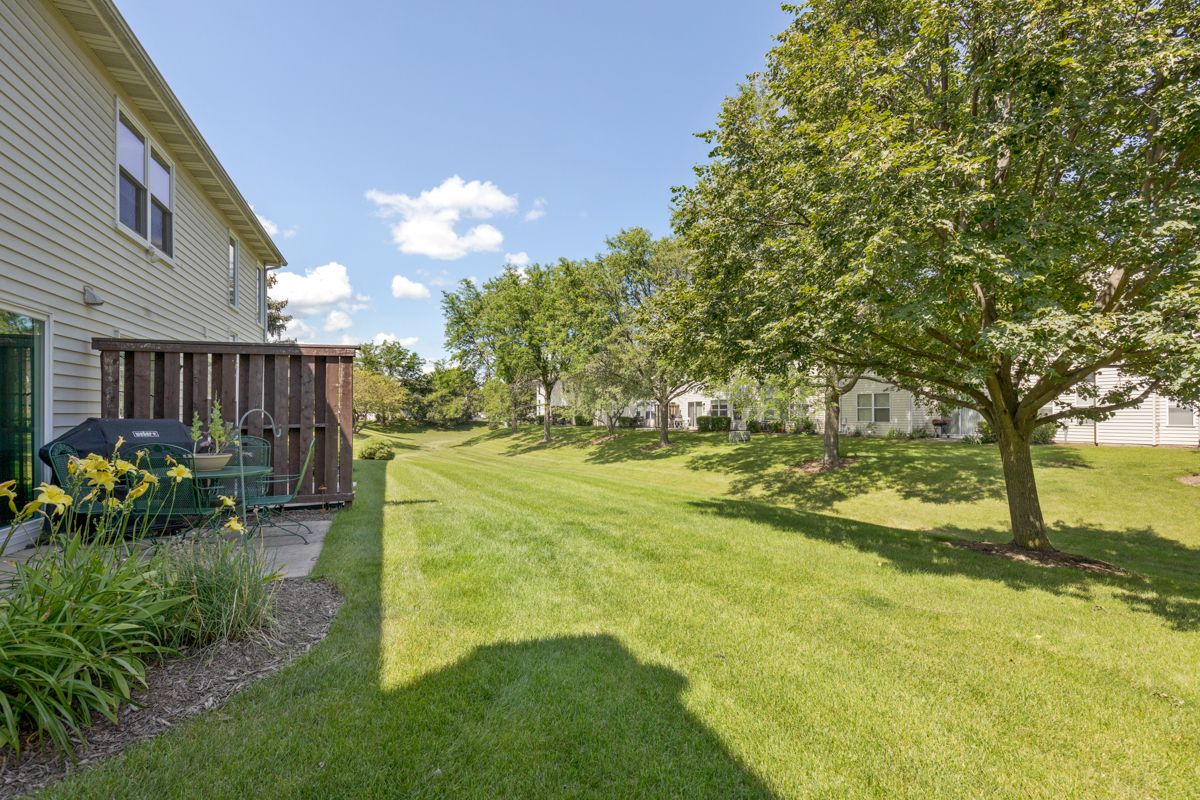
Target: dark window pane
160,181
883,415
160,227
864,415
883,400
232,276
864,401
131,152
132,200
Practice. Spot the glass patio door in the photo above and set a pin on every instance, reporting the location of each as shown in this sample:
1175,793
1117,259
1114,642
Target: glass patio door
22,343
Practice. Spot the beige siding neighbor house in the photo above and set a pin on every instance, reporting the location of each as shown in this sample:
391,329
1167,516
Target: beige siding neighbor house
116,219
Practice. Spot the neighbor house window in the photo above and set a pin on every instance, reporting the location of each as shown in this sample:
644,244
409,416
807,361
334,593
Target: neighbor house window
160,204
1179,415
144,187
232,272
131,177
720,408
875,407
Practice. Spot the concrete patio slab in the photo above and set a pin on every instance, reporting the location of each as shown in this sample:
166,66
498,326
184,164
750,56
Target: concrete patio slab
288,553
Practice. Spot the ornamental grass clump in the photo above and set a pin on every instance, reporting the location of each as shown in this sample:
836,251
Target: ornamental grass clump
226,587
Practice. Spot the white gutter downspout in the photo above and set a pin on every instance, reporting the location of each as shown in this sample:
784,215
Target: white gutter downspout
910,412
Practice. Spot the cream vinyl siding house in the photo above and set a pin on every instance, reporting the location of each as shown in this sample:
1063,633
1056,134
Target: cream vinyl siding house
69,71
1156,422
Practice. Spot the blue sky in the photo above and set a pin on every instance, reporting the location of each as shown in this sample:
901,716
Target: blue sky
397,147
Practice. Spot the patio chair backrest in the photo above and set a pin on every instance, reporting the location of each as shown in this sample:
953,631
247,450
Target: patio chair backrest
60,459
172,497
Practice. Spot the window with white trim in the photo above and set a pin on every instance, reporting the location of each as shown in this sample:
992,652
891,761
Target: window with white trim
875,407
719,408
1179,416
145,180
231,273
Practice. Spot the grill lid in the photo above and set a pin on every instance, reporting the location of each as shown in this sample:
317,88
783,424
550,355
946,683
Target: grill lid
100,436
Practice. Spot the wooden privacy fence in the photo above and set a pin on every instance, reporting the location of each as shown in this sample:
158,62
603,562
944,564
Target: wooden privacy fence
308,389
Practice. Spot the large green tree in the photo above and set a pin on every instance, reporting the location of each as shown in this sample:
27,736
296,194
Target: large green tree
627,281
403,367
982,201
536,321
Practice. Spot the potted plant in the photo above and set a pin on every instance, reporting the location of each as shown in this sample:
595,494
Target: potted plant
209,448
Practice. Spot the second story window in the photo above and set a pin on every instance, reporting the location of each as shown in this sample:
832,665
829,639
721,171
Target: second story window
232,273
160,204
131,158
144,187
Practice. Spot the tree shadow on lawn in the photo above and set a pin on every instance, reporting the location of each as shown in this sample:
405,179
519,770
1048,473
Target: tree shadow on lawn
1169,594
930,472
638,445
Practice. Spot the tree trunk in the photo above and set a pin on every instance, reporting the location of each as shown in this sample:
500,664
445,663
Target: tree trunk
662,425
832,457
610,422
1024,508
549,413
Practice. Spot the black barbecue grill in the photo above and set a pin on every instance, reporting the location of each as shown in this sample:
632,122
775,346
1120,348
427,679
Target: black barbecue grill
101,435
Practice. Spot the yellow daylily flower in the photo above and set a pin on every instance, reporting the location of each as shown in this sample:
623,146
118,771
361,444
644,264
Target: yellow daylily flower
226,502
149,477
117,446
179,472
123,467
113,503
138,490
72,465
103,480
6,491
234,525
53,496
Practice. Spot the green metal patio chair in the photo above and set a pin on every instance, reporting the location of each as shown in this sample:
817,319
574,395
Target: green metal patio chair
60,462
174,500
270,506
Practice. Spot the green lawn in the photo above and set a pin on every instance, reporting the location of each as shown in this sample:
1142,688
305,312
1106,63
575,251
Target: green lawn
604,621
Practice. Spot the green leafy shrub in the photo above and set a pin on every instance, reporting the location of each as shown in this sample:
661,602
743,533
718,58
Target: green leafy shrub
627,422
226,586
808,426
893,434
1045,433
985,432
582,420
752,426
377,450
75,626
713,424
918,433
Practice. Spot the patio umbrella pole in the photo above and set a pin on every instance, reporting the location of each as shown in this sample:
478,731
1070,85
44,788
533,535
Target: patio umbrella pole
275,431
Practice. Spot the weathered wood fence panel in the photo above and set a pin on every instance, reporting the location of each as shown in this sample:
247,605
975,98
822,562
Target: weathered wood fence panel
308,389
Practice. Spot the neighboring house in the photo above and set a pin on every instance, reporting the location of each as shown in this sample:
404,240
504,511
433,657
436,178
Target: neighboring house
1156,422
116,220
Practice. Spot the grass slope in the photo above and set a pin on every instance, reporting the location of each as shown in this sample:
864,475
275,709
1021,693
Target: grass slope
604,621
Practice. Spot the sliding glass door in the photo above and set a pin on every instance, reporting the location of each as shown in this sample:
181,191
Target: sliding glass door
22,349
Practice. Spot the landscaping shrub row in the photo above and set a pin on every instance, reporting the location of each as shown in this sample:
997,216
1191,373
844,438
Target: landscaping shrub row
84,614
713,424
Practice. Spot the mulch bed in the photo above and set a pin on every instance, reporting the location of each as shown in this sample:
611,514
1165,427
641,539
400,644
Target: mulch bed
182,687
604,439
1042,559
817,466
1190,480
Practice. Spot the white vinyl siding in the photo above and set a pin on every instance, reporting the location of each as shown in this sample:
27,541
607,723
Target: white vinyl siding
58,227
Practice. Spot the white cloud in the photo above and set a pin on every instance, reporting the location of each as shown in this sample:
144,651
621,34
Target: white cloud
300,331
517,259
316,291
407,341
338,321
271,228
403,287
538,211
427,221
474,280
